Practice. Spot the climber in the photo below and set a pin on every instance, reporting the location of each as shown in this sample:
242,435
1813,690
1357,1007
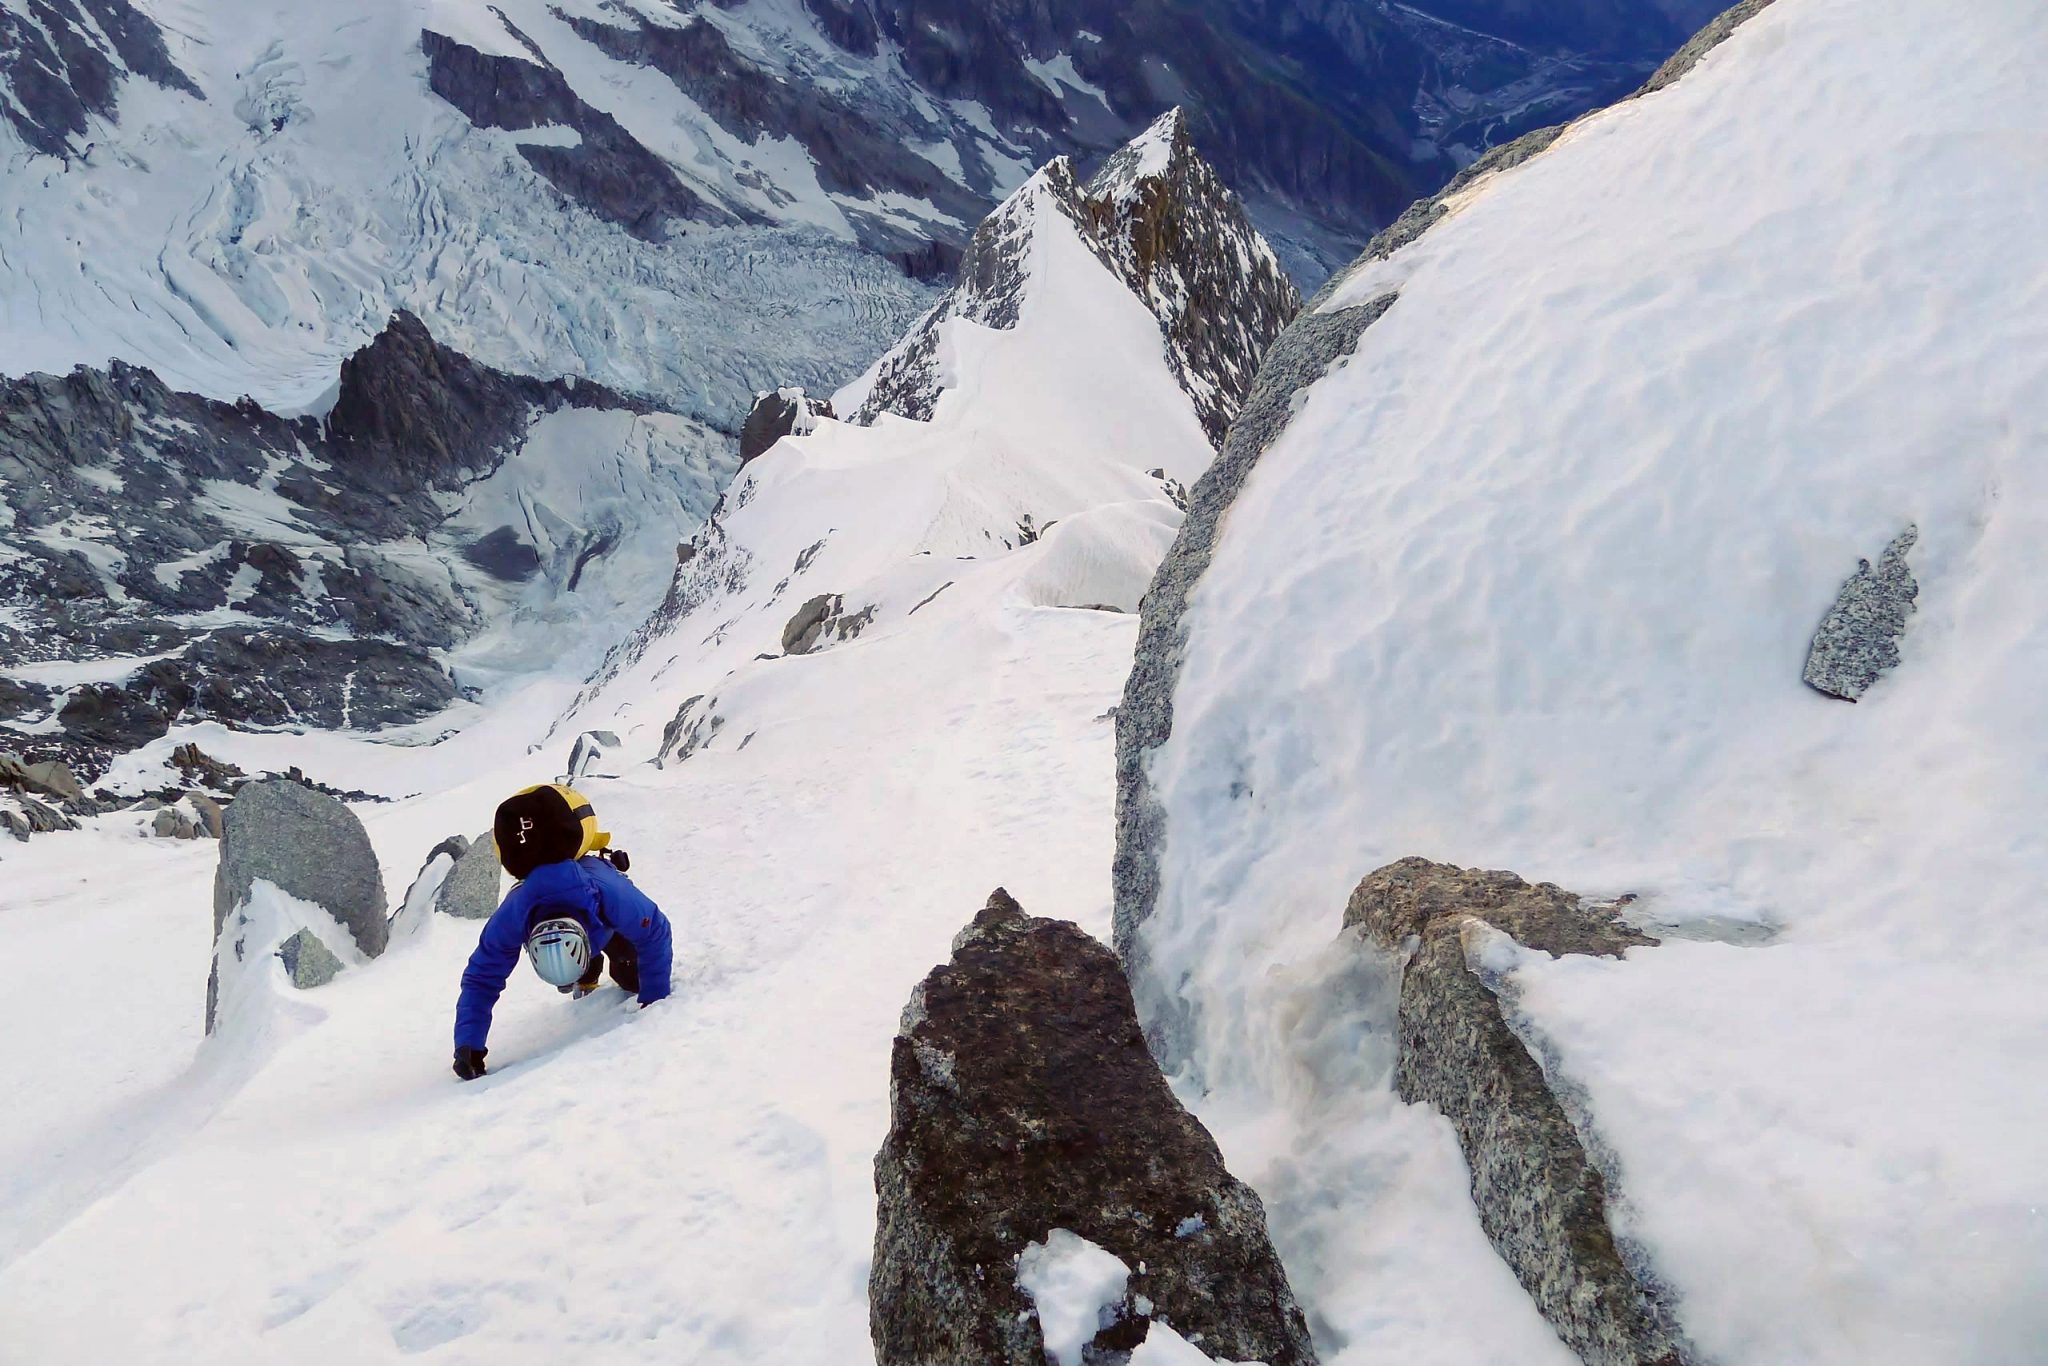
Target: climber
572,909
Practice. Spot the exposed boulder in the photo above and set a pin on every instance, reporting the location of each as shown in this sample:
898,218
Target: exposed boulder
590,747
1858,639
1541,1198
201,768
802,630
470,891
307,845
212,815
778,413
309,962
22,815
823,620
172,823
50,778
1023,1102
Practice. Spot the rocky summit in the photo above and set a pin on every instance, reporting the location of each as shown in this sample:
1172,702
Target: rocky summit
1165,224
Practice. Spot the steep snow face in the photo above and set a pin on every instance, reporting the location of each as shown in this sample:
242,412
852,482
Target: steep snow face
1528,582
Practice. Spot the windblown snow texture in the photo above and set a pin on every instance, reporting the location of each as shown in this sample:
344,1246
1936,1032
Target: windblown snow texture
1529,581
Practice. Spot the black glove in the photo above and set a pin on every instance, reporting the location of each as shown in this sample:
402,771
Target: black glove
469,1063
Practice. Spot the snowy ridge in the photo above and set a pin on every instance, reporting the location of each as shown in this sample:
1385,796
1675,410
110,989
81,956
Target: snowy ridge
1159,218
1539,563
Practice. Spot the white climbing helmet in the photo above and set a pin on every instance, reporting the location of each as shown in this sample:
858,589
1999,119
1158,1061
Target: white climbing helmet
560,951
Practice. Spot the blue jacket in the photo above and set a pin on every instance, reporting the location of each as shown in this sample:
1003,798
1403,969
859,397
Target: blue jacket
599,896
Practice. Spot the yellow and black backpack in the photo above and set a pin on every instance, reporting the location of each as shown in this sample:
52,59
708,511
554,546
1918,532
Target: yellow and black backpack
546,823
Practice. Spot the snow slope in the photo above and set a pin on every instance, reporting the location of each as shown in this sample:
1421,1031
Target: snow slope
692,1183
1528,583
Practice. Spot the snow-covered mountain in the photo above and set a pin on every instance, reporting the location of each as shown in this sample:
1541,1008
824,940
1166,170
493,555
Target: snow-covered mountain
1553,538
1162,222
165,557
687,201
1029,439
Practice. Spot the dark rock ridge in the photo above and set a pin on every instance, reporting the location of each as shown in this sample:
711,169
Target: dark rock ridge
1299,357
1858,639
1179,238
132,537
1164,224
609,172
778,413
1541,1198
1711,35
308,845
1022,1101
63,63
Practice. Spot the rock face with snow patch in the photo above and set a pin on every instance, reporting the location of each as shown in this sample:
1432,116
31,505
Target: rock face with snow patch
307,961
63,63
1858,640
308,845
1023,1101
1541,1198
607,170
823,620
778,413
1159,217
